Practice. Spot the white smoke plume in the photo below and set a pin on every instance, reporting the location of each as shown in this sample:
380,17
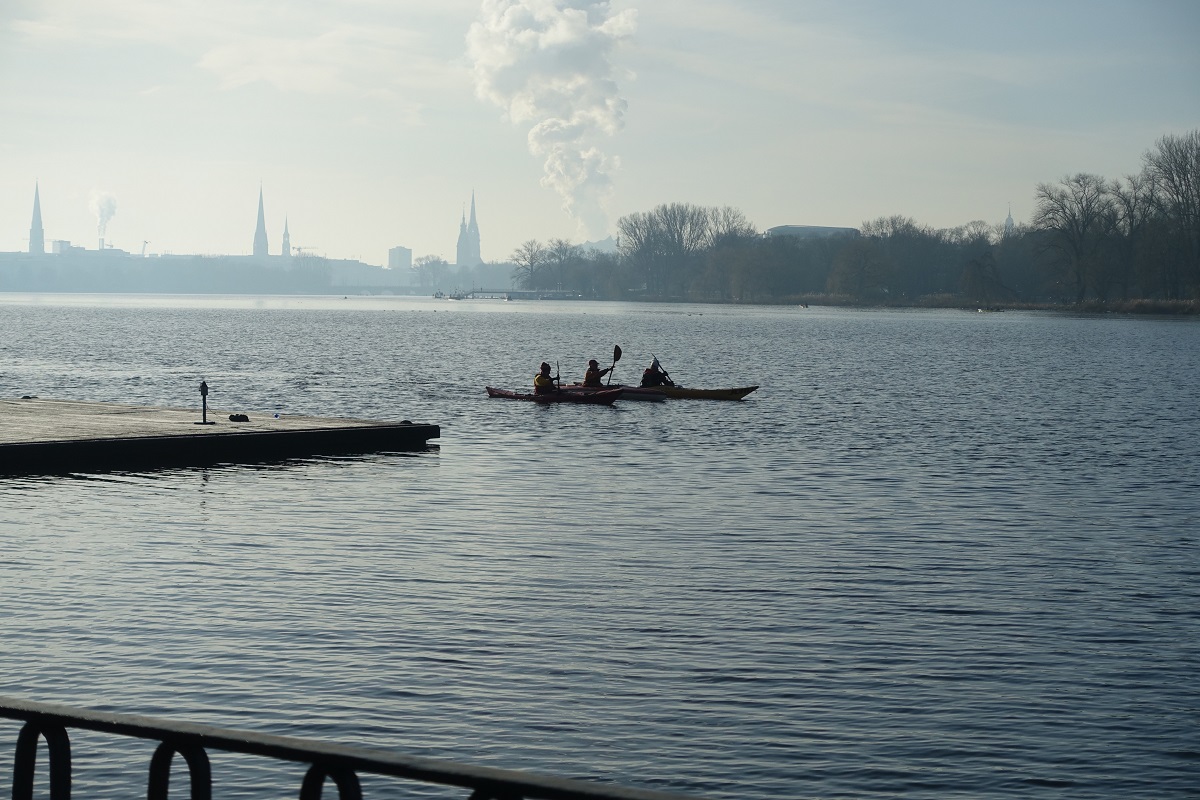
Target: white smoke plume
548,62
104,206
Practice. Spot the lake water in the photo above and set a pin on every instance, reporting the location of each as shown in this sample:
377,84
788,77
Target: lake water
936,554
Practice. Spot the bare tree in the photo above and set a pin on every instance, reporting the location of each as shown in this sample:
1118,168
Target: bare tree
431,270
860,269
1134,201
915,257
683,232
981,281
727,223
639,244
1077,215
683,226
529,258
976,232
1174,164
560,256
636,233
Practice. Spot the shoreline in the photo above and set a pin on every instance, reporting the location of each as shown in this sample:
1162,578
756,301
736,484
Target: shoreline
1140,306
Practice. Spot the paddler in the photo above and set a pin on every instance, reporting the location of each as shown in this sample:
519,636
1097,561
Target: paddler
544,382
655,375
594,373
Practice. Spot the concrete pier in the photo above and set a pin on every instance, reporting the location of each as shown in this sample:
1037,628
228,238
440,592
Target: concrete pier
58,436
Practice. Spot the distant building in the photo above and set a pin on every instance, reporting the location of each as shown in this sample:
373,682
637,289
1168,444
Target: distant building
606,245
468,240
37,237
70,268
346,273
810,231
62,247
399,258
260,233
1008,223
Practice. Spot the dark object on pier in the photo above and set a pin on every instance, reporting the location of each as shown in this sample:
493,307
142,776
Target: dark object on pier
204,404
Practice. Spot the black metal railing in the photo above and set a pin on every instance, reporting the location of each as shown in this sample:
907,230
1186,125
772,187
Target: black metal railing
341,764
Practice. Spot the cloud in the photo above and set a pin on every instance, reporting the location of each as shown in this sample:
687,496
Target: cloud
105,22
365,49
548,63
344,58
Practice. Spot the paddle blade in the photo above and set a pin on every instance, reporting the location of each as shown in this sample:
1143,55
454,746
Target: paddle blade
616,353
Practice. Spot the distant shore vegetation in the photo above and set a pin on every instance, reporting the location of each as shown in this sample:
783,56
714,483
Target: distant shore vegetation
1130,244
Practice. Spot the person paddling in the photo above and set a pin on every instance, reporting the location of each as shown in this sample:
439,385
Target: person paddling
655,375
594,373
544,382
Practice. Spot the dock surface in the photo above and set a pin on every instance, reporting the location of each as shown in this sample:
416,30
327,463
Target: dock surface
58,436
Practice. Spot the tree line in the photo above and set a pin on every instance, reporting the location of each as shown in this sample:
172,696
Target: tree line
1090,239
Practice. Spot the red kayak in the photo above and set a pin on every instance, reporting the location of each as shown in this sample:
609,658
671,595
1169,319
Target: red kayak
599,398
628,392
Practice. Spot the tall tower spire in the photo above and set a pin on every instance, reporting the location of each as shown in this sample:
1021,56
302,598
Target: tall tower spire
37,237
472,238
260,233
287,240
460,250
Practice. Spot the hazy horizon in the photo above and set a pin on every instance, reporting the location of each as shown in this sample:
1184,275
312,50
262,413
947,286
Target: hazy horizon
369,127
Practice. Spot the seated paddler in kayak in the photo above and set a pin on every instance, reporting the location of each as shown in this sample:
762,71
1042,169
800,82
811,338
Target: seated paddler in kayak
655,375
543,382
594,373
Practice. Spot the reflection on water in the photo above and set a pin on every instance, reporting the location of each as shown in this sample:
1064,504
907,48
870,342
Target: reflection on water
936,553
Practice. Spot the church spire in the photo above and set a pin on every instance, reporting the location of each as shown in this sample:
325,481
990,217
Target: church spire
468,239
260,233
287,239
37,237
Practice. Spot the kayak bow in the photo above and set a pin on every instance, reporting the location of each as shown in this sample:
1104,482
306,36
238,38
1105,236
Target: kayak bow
705,394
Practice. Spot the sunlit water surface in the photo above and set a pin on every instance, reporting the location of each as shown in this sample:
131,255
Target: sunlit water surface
936,554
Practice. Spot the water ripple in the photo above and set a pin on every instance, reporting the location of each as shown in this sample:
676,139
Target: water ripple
944,556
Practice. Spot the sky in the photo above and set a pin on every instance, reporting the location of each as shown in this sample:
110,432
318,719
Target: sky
368,124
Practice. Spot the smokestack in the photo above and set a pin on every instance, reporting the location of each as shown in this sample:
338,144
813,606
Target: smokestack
104,206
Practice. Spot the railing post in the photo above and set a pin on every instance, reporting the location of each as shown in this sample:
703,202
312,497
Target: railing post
199,771
58,752
345,779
